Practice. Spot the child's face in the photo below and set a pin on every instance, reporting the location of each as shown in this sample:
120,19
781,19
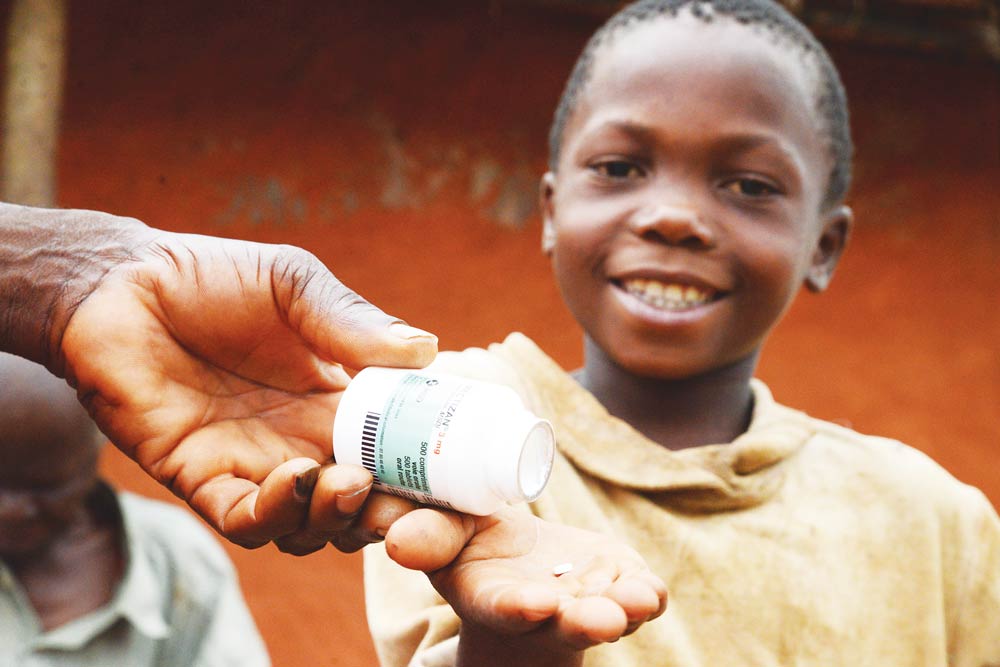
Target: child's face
686,209
45,478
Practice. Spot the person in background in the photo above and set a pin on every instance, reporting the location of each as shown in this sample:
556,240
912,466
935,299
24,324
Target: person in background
91,576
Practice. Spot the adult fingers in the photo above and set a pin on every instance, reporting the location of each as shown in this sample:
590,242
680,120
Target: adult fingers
252,515
379,513
346,513
340,325
340,493
337,497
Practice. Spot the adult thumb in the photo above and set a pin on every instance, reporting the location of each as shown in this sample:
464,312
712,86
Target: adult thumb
339,324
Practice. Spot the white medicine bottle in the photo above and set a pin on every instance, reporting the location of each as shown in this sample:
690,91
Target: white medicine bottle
443,440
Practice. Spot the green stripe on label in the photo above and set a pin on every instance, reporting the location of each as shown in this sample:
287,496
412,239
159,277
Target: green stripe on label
416,416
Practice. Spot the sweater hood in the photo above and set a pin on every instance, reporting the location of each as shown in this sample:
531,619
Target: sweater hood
717,477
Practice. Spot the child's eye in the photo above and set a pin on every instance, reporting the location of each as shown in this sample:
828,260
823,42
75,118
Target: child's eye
617,169
751,187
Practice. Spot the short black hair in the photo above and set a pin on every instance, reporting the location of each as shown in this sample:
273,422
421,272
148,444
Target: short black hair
831,102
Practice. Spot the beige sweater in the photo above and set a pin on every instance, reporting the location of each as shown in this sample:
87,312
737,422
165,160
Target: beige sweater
799,543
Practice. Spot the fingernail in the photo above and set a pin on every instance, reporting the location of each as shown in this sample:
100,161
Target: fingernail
381,532
350,503
305,481
404,330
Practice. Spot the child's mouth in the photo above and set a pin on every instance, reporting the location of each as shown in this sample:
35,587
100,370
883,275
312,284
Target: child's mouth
667,296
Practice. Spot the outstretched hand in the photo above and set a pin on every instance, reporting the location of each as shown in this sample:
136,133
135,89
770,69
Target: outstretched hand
217,365
550,588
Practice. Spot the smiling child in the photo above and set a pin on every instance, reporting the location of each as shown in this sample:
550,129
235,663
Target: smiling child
700,157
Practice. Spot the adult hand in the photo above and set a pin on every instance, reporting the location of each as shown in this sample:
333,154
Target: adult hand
217,365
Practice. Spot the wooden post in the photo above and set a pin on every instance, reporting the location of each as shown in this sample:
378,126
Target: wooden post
36,47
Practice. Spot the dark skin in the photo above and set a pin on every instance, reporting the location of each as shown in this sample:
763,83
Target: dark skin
675,414
515,612
719,189
217,365
64,550
685,214
76,573
726,205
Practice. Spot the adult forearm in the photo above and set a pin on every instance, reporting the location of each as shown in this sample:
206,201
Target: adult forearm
50,260
481,647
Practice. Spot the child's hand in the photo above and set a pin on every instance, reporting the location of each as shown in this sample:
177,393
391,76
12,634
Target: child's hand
505,582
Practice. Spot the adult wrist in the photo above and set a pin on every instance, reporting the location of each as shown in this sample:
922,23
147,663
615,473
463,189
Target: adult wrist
50,261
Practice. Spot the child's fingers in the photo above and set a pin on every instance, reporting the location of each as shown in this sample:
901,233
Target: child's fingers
595,575
536,603
658,586
428,539
638,600
585,622
513,607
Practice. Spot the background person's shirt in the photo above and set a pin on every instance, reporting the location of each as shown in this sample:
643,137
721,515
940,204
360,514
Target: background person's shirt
178,603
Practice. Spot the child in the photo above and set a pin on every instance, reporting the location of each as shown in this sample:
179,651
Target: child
93,577
699,160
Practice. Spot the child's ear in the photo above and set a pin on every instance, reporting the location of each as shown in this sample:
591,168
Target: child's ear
836,230
546,193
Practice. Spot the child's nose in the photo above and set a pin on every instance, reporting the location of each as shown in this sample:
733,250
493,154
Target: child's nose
675,225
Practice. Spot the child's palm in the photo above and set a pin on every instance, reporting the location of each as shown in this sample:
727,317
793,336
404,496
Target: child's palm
505,580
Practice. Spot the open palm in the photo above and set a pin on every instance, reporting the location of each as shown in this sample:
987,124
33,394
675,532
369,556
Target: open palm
504,580
217,366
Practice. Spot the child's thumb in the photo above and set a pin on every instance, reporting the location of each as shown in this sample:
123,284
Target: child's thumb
428,539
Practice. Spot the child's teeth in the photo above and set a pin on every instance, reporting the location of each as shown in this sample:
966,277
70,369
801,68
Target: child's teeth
667,296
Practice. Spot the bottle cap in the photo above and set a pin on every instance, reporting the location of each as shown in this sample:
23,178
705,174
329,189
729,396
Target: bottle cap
521,465
535,464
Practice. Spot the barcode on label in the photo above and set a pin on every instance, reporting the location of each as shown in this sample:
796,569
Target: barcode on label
368,433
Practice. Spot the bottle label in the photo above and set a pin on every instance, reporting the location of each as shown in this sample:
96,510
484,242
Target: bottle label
411,432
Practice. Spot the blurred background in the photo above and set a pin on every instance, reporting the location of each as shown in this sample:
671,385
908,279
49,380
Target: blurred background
402,142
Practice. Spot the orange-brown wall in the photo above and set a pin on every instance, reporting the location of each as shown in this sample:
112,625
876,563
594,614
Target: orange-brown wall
401,143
